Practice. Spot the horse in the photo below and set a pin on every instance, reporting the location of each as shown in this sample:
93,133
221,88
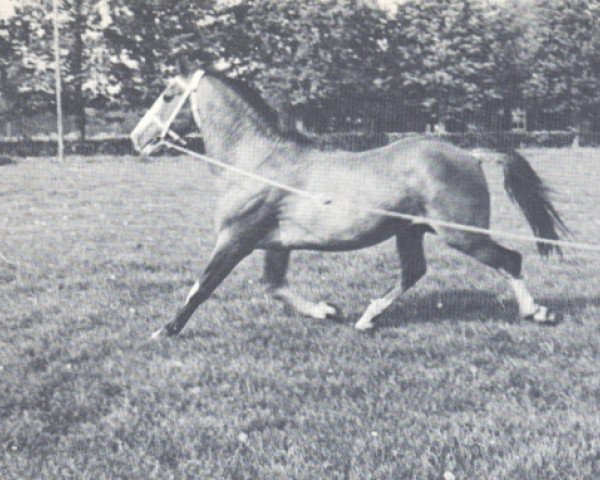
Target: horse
420,176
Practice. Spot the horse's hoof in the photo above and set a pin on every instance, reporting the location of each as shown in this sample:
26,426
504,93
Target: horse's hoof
364,327
160,333
335,313
324,311
544,316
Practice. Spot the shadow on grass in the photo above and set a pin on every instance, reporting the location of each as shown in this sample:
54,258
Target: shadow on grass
459,304
472,306
571,306
464,305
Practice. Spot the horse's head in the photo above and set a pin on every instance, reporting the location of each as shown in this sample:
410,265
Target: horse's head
155,125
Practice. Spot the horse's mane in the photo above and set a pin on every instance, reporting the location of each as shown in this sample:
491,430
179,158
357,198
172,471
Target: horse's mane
266,113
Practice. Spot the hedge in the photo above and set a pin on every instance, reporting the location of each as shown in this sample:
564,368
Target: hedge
37,147
361,141
116,146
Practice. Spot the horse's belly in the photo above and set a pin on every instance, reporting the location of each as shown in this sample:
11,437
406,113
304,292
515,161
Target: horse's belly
338,226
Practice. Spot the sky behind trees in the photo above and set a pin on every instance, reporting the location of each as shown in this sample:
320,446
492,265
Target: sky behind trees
6,8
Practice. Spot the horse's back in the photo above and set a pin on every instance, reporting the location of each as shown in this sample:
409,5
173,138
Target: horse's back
414,177
419,176
425,164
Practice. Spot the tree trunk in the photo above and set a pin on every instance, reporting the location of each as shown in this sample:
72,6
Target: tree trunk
569,113
149,65
506,116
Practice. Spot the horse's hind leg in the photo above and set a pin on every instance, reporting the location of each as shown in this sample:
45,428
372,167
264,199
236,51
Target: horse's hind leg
231,247
508,262
412,261
276,265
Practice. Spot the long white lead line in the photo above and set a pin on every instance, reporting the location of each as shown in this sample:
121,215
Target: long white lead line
327,202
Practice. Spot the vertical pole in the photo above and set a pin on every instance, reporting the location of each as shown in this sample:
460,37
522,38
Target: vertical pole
58,82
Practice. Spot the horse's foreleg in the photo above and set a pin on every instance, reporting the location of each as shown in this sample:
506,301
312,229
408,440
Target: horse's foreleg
231,247
414,266
276,265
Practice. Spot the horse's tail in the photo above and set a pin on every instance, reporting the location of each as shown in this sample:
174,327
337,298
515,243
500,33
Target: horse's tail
528,190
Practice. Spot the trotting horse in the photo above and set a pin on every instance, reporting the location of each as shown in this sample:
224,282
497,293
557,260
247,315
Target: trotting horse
423,177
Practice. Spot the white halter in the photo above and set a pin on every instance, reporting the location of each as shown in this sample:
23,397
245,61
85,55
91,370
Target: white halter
152,116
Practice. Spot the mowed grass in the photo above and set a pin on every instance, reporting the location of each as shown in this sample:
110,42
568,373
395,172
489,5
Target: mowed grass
451,385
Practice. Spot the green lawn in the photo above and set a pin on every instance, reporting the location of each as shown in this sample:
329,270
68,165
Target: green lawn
450,384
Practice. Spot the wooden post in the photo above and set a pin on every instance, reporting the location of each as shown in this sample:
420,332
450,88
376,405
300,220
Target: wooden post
58,82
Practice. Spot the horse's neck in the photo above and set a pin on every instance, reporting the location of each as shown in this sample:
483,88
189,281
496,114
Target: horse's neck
229,137
237,146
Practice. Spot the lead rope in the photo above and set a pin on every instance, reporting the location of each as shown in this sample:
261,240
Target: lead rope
326,202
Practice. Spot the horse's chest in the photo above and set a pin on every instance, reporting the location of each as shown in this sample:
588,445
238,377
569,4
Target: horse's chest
242,205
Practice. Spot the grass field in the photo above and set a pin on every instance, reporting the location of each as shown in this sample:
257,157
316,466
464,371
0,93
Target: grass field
450,386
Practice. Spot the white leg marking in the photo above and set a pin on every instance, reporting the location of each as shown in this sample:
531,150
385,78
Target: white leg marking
193,291
319,310
158,334
541,315
527,305
375,308
531,310
322,310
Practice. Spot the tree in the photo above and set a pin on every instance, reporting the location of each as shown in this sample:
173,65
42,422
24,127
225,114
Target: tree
444,58
565,71
299,52
10,100
146,37
511,51
84,67
8,90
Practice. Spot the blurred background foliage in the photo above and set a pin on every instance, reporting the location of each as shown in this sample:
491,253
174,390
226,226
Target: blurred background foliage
324,64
